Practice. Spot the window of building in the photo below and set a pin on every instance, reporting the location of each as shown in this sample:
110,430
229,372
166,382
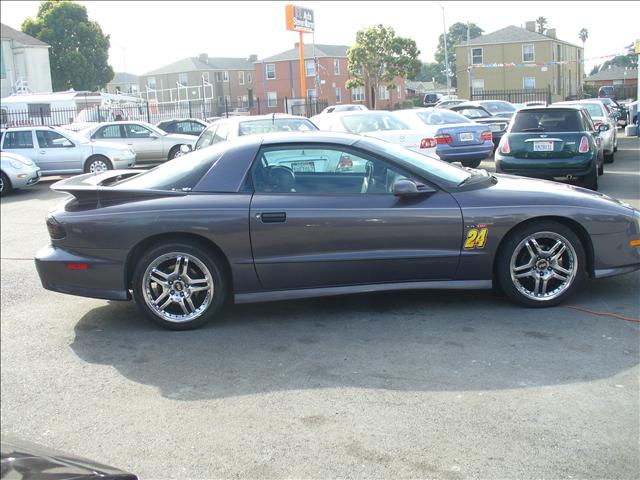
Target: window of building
151,82
357,94
271,71
118,89
183,79
311,94
477,85
272,99
338,95
528,53
205,77
225,76
241,78
477,56
37,110
227,98
3,73
529,82
384,92
336,66
399,91
310,68
218,76
249,77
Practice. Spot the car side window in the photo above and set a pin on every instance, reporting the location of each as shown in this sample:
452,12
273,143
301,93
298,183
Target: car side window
194,128
221,133
19,139
50,139
322,170
206,138
110,131
137,131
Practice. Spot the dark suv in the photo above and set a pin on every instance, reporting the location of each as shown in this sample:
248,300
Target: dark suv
552,142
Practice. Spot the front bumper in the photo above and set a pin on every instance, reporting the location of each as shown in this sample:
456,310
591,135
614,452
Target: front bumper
25,178
104,277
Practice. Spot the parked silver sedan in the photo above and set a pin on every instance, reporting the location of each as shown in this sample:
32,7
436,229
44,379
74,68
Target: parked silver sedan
17,171
151,144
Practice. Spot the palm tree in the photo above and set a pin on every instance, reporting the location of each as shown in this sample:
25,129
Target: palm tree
542,24
584,34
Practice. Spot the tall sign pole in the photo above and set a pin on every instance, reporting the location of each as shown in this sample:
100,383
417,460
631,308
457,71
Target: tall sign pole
300,19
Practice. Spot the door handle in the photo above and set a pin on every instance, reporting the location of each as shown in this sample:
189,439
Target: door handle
273,217
42,152
130,144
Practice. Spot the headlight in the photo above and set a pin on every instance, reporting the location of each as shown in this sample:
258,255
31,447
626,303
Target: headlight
16,164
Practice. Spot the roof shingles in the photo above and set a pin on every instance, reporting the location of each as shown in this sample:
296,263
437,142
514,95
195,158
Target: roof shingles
321,51
511,34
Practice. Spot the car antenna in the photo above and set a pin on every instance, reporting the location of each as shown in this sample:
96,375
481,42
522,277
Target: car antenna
273,118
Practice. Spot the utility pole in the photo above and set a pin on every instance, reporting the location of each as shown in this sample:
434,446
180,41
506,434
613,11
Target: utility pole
446,52
469,74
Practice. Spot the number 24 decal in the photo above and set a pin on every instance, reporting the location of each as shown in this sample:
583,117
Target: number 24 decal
476,238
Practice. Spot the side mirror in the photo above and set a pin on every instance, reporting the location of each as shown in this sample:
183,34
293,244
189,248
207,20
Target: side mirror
409,188
185,148
603,127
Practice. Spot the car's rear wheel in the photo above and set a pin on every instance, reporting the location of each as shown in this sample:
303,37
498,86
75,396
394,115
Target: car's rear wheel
591,179
5,184
541,264
609,157
471,163
97,164
179,285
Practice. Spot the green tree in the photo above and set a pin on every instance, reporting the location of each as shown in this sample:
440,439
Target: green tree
430,71
378,57
583,35
542,24
630,60
456,35
79,50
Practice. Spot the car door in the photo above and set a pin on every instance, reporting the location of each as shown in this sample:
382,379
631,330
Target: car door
146,143
21,142
56,153
341,225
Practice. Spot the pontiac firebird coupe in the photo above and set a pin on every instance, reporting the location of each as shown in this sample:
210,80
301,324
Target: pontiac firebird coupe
312,214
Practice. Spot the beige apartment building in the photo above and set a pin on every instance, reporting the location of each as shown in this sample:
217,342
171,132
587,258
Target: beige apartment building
515,58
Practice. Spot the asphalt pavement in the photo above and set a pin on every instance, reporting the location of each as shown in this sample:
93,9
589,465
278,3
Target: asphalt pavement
397,385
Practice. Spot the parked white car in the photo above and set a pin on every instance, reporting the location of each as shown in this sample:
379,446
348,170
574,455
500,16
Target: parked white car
58,151
379,124
17,171
150,144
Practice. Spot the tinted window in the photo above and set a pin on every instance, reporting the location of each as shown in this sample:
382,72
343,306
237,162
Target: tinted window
372,122
547,121
110,131
181,174
254,127
50,139
442,117
20,139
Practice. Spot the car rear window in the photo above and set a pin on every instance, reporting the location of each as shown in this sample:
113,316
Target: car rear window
547,121
256,127
442,117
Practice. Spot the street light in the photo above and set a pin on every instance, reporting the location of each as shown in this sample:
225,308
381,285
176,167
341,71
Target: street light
446,52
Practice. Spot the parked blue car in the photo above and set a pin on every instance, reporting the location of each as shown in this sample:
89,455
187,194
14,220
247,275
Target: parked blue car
455,138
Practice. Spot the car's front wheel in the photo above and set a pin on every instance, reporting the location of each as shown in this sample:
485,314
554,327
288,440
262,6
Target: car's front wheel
179,285
175,152
541,264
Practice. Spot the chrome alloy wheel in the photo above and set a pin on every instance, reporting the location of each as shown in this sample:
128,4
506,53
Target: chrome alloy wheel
178,287
98,166
543,266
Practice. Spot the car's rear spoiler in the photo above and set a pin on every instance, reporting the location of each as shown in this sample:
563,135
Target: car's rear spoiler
95,188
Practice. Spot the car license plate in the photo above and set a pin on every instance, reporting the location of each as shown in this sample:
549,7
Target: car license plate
303,167
465,137
543,146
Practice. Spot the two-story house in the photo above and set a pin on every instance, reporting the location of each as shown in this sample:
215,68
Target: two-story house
515,58
123,84
24,63
326,73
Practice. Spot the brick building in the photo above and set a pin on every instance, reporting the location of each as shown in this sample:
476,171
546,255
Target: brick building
326,68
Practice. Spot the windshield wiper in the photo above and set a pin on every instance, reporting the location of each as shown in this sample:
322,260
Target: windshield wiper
536,129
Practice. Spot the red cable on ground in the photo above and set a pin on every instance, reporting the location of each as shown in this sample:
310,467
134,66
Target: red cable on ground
603,314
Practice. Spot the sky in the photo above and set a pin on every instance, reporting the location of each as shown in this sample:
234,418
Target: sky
147,35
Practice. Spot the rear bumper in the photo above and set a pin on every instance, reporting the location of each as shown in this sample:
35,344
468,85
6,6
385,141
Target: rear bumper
471,152
104,277
544,168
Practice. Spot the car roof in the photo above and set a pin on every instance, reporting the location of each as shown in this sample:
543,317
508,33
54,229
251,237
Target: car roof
306,137
181,120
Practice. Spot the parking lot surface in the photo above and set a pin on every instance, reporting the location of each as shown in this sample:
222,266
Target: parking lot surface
395,385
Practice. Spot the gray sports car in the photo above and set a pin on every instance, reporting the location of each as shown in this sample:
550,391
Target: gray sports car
237,221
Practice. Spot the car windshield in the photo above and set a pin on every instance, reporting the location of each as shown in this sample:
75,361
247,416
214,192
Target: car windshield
546,121
442,117
256,127
443,170
498,107
372,122
181,174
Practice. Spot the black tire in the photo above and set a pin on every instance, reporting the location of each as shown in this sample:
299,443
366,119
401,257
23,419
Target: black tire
511,243
609,157
471,163
173,153
5,186
590,180
96,160
195,250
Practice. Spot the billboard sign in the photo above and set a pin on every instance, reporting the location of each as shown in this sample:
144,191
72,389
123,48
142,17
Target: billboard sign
299,19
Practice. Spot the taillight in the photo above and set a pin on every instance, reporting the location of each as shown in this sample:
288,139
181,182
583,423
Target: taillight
78,266
55,228
584,145
444,138
505,148
345,163
427,143
486,135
